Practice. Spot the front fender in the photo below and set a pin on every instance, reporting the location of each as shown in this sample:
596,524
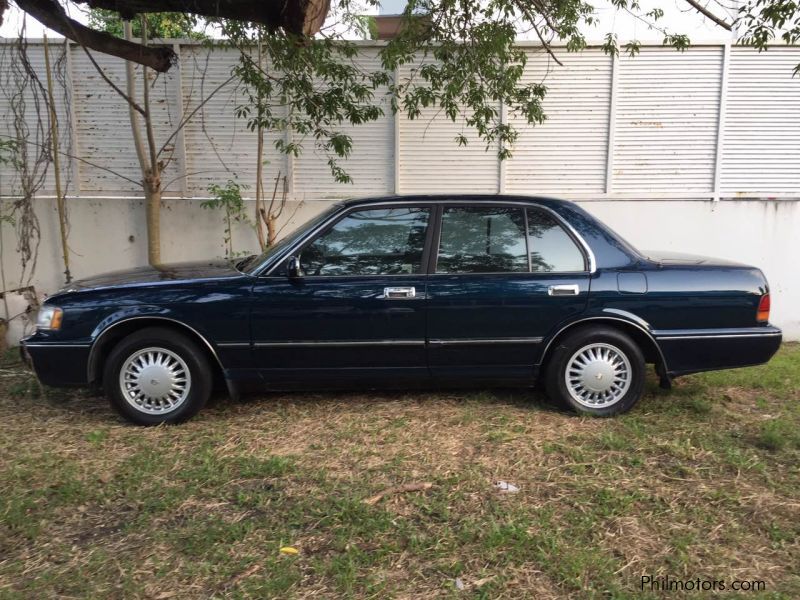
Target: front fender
128,313
120,322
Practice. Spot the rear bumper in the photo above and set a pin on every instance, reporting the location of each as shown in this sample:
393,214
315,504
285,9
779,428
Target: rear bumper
696,350
57,365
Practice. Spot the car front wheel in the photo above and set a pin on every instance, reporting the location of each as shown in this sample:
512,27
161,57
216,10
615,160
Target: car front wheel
157,376
596,370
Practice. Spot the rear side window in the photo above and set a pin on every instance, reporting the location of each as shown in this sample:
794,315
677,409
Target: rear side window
386,241
551,247
482,240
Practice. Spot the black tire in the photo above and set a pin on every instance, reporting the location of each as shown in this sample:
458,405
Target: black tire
175,344
611,338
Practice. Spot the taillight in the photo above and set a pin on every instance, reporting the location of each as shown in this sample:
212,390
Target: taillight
762,316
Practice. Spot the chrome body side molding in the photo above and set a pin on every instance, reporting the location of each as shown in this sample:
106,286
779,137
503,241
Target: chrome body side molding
337,344
698,334
484,341
53,345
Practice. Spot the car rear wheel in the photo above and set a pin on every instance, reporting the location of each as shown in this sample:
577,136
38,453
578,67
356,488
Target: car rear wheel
157,376
596,370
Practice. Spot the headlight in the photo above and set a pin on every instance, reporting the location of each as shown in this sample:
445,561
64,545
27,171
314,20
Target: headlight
49,317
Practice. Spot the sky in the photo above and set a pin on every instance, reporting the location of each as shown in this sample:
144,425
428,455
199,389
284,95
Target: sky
679,17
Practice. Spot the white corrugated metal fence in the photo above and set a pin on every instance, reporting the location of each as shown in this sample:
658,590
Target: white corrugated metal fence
711,122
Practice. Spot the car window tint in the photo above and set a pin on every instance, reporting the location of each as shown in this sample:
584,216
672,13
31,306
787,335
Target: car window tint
551,248
386,241
482,240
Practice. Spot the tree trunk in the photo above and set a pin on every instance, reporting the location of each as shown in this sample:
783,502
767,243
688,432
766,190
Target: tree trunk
272,230
151,169
152,198
260,160
260,188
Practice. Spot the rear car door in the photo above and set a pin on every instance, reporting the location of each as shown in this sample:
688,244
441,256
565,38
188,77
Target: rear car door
503,277
358,310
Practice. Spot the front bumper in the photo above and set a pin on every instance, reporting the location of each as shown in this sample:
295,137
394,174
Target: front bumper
57,365
693,351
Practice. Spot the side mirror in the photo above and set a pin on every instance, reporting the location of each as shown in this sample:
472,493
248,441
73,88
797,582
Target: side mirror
293,269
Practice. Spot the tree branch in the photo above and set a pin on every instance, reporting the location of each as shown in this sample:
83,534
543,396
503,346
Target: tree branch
546,44
148,115
51,14
708,14
113,85
188,117
130,82
532,19
300,17
79,159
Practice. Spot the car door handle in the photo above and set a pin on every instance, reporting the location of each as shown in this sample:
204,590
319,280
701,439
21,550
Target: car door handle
563,290
399,293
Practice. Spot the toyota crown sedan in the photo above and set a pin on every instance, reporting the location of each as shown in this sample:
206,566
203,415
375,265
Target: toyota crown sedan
405,292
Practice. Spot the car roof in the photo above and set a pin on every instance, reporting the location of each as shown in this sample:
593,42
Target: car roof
476,198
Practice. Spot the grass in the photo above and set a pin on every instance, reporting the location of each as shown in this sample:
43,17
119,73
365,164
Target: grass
703,481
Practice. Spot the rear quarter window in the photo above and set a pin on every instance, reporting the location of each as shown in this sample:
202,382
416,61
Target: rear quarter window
551,248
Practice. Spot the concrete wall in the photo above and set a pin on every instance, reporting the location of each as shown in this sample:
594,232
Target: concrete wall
109,234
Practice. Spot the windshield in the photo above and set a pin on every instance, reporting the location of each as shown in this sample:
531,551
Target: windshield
252,263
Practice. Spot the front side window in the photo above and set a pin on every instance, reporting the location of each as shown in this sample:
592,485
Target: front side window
387,241
482,240
552,249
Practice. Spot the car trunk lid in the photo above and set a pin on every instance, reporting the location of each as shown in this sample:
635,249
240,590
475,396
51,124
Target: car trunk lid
689,260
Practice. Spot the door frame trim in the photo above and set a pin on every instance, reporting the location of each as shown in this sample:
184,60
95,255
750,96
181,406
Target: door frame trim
325,226
428,252
590,265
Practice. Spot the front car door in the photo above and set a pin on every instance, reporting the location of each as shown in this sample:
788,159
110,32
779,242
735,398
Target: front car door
357,313
503,277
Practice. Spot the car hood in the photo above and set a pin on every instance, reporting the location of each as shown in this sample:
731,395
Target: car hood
212,269
679,258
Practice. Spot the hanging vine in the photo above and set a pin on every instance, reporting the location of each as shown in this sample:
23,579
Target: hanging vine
61,203
31,151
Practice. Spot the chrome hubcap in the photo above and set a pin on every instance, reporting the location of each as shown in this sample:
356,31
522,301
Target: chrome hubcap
155,381
598,375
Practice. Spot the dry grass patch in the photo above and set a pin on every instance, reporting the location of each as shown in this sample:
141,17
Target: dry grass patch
700,482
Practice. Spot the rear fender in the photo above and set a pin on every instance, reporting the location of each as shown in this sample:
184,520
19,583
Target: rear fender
632,324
